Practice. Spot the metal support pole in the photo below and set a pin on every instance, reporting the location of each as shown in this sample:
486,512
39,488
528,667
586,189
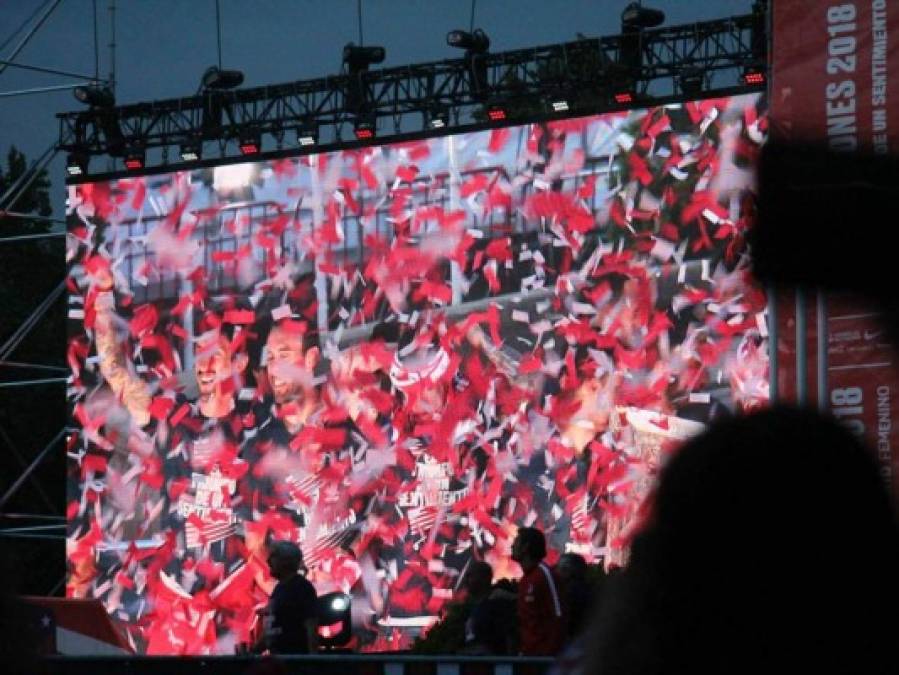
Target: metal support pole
27,38
801,351
821,317
29,175
37,90
51,71
29,383
29,470
32,216
772,347
26,237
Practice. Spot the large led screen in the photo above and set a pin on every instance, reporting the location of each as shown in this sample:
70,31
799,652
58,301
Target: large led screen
395,356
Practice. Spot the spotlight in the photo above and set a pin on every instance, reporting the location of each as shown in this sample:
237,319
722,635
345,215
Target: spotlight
250,142
365,128
134,159
334,619
475,45
496,113
560,105
95,96
191,151
637,17
692,81
218,79
76,164
624,97
475,42
307,133
358,58
754,76
438,117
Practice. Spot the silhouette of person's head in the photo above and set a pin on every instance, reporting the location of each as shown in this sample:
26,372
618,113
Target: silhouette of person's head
771,542
479,578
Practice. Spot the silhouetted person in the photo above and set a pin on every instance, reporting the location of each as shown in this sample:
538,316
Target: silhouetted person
291,622
576,589
541,618
490,626
771,546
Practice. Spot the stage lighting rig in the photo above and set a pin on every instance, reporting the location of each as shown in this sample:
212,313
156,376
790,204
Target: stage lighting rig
135,158
634,20
95,96
76,163
307,133
334,619
691,81
438,117
637,17
476,45
496,113
250,142
754,75
216,79
192,150
365,128
477,41
357,60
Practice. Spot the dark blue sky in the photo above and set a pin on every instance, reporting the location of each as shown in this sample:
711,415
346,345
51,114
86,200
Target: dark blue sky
163,46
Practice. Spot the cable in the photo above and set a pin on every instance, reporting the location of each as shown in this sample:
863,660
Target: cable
218,25
24,23
36,366
27,237
27,38
359,16
28,471
471,22
96,45
19,334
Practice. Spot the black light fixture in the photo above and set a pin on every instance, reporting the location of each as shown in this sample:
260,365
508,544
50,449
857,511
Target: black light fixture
754,75
477,41
637,17
334,619
438,117
216,79
76,163
250,142
135,158
307,133
692,81
192,150
95,95
357,60
558,104
476,45
365,127
496,112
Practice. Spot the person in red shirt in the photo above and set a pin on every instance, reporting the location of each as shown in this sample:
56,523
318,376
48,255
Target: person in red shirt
541,616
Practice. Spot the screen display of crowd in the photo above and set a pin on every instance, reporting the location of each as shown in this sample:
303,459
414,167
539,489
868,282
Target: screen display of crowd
395,356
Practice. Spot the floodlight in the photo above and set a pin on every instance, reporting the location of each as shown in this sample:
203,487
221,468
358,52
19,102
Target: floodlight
95,96
217,79
476,42
637,17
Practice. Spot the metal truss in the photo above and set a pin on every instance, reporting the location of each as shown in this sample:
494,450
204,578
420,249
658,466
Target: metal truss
586,73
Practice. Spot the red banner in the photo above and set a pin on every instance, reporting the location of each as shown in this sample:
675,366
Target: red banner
834,67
